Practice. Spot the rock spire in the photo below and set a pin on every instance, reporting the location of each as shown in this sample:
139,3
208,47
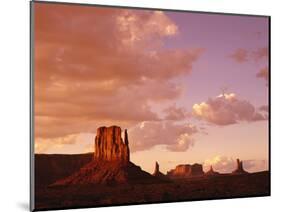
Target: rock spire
239,168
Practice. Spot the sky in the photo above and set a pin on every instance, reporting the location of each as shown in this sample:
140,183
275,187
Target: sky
189,87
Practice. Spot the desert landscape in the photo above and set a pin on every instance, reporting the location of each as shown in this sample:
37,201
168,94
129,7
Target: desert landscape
108,177
135,106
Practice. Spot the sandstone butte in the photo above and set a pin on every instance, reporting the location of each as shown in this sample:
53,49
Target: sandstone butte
109,145
110,164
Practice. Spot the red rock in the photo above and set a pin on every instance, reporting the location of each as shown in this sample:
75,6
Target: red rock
108,173
186,170
109,145
157,172
159,175
51,167
156,169
211,172
111,163
239,169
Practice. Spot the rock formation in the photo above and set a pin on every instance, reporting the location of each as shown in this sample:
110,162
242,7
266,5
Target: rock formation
239,169
211,172
157,172
108,173
109,145
51,167
159,175
110,164
186,170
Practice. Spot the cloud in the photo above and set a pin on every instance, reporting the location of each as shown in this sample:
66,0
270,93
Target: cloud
54,145
175,113
99,65
255,165
220,163
263,73
227,109
225,164
42,145
177,137
260,53
139,27
240,55
257,55
264,108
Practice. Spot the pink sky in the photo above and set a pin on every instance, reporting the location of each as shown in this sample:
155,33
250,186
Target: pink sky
189,87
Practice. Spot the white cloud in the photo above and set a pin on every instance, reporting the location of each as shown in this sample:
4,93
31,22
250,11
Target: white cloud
227,109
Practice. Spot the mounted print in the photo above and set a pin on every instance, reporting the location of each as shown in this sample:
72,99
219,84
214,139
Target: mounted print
138,106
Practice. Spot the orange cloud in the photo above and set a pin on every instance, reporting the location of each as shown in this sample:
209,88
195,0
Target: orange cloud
227,109
260,53
175,113
264,108
263,73
176,137
99,65
46,145
137,27
240,55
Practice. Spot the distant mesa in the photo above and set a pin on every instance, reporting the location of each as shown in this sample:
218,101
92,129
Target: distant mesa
211,172
110,164
186,170
239,169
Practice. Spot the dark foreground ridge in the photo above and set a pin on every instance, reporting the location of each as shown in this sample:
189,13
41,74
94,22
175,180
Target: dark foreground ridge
52,167
186,189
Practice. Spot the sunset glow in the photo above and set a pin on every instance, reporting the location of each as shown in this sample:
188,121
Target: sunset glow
189,87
